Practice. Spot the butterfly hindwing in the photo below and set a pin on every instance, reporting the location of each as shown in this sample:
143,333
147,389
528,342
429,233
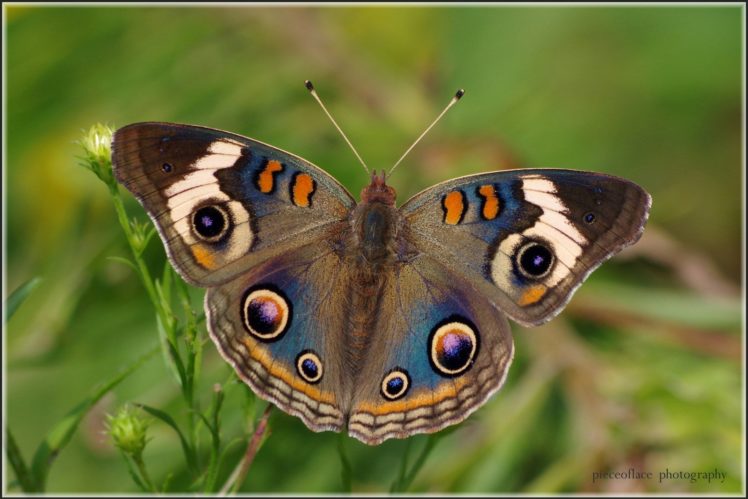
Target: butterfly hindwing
280,327
527,238
440,350
222,202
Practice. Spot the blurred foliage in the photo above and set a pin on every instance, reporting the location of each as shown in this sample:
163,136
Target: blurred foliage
642,370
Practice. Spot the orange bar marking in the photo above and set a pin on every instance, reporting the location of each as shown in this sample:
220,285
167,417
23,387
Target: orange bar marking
204,257
302,190
266,180
490,202
454,207
532,295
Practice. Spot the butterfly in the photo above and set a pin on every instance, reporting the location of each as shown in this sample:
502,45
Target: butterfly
366,317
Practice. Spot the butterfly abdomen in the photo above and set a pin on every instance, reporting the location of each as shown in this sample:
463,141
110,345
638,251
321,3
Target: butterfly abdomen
365,292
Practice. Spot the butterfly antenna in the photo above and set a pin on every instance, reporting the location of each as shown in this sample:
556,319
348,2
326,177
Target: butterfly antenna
454,100
312,91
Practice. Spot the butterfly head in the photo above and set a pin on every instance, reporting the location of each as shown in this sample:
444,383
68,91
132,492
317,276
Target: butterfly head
378,190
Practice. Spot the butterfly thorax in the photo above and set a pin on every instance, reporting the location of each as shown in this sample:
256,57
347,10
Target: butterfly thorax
375,221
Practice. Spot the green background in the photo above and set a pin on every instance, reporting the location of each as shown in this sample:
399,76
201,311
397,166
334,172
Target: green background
643,368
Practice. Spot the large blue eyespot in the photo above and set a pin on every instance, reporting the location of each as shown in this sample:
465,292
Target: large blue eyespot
453,346
266,313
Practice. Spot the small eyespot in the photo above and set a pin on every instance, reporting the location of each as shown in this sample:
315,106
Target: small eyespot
167,168
589,218
534,260
309,366
266,313
452,347
395,384
210,223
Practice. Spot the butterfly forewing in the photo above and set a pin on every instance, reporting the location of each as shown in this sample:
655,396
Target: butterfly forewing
527,238
222,202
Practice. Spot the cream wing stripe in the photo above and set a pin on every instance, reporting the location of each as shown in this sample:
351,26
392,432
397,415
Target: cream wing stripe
542,193
200,184
553,226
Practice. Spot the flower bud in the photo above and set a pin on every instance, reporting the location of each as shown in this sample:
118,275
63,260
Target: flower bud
128,430
97,149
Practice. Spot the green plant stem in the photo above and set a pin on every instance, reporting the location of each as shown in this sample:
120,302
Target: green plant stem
145,276
138,459
194,358
214,425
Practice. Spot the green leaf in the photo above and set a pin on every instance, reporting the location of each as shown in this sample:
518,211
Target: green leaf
192,336
164,310
25,480
149,235
189,453
19,296
214,426
63,431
